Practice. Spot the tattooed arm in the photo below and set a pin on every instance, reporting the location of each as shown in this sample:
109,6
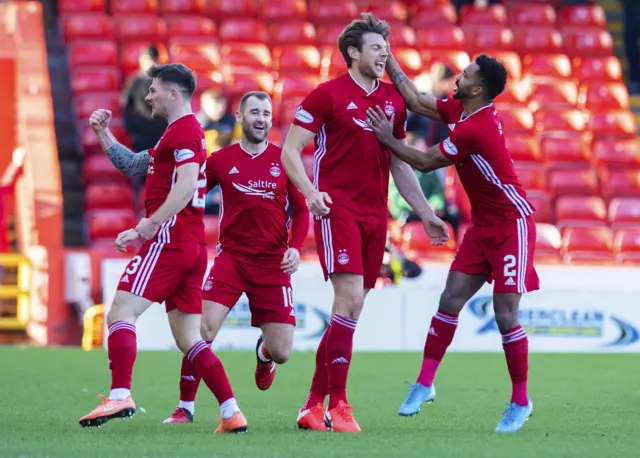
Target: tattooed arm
423,104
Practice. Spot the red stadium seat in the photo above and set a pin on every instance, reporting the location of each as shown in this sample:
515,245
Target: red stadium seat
90,53
191,27
295,86
222,10
588,244
130,55
416,243
211,223
243,31
547,66
622,183
479,38
81,6
441,37
541,201
492,15
626,246
510,59
582,16
309,244
438,16
90,143
392,11
587,69
327,36
88,27
422,4
613,124
573,181
298,32
580,211
571,152
176,7
141,28
531,178
99,169
409,59
605,96
592,43
107,224
328,12
198,55
237,84
624,212
284,10
276,137
337,66
620,154
95,79
532,15
456,60
298,59
131,7
548,242
108,196
518,121
403,36
523,149
561,94
565,122
537,41
246,56
88,103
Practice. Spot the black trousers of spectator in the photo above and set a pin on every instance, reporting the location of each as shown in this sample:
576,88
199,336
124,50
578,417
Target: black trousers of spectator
631,36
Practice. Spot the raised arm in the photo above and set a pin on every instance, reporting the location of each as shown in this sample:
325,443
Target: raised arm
125,160
423,104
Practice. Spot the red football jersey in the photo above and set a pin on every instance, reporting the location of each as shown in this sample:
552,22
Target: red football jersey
476,144
350,164
182,143
255,195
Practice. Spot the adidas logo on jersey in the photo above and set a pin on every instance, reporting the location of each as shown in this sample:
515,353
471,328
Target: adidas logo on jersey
352,106
510,282
233,171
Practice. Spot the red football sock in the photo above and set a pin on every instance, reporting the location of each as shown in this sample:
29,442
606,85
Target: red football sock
339,350
122,348
441,332
320,383
516,351
189,379
211,370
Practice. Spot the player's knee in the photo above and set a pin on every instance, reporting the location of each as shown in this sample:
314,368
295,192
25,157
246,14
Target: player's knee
506,318
118,312
280,355
185,343
207,331
451,302
349,303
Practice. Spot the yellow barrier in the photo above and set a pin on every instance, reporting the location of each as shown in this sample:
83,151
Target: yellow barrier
20,291
93,321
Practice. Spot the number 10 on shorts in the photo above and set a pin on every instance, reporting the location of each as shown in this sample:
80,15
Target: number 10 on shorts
287,296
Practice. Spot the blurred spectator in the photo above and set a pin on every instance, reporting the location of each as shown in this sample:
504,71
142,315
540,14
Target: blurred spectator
476,3
217,121
395,265
141,127
631,42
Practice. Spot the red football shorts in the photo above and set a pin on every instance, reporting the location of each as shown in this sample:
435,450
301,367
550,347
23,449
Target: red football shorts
168,272
504,253
346,245
268,288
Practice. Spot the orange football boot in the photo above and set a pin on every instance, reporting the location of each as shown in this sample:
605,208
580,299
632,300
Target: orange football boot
340,419
236,424
312,418
108,410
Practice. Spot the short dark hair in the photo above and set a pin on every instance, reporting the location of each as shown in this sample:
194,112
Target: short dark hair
492,75
153,52
175,73
352,34
260,95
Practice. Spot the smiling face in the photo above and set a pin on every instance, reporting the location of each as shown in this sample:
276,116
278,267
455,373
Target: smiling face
256,118
159,98
372,57
468,84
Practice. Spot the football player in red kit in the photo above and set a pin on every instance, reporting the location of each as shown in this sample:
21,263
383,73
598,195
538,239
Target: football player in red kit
348,196
170,265
255,254
499,244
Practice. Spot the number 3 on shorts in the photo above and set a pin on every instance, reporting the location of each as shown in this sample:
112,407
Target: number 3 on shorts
200,195
133,265
509,265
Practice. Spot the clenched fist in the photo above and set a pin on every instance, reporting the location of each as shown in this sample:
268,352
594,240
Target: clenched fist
99,120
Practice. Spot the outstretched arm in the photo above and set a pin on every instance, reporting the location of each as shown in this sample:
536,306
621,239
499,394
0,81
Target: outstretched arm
423,104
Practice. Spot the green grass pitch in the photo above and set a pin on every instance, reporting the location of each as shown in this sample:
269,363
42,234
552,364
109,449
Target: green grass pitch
585,406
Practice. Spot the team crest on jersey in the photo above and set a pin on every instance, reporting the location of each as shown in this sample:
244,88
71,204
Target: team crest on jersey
343,257
275,170
389,109
208,286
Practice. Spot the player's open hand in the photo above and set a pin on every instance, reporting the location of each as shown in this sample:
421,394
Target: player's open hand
381,125
317,202
437,230
147,228
99,120
125,237
290,261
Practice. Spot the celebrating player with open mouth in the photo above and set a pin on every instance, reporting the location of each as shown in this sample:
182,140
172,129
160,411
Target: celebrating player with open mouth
255,255
170,265
499,244
348,196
